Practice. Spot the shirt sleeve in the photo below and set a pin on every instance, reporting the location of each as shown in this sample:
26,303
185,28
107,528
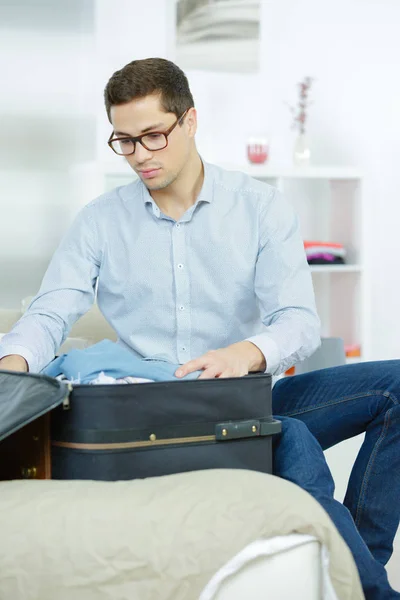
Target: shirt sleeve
284,289
66,293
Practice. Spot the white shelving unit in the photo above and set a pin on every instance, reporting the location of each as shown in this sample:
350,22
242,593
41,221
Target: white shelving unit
329,203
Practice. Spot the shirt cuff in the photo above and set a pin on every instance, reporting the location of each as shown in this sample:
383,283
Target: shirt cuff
6,350
270,349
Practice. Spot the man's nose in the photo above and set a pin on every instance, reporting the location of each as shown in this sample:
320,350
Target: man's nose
141,153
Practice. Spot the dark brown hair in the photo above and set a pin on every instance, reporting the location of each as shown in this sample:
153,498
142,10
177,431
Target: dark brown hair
141,78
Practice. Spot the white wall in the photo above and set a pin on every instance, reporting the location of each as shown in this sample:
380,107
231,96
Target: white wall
351,47
45,127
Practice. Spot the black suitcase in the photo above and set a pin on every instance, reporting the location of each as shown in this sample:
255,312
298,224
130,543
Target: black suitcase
129,431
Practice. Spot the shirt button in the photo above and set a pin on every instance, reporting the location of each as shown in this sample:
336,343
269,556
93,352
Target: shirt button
181,308
183,349
177,225
180,266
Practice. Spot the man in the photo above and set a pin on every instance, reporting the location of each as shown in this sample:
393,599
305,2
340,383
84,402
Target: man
206,268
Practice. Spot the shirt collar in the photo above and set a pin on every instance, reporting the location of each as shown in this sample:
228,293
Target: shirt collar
206,192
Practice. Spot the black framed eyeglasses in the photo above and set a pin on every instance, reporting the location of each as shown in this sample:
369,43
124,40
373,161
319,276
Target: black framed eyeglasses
153,141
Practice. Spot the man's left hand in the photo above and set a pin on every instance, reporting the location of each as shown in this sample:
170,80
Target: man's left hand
236,360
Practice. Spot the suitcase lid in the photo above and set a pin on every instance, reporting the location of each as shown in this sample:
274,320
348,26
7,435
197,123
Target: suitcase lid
26,396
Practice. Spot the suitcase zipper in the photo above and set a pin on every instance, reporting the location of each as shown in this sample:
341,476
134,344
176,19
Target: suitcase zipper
224,432
153,441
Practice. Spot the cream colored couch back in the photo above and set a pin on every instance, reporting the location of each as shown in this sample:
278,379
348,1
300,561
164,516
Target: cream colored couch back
88,330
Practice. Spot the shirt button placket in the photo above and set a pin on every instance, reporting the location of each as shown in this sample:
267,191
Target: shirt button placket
182,292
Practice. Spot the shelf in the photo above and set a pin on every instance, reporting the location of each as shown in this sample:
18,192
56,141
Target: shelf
312,172
336,268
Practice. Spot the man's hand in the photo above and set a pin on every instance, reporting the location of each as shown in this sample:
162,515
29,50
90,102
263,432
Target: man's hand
14,362
234,361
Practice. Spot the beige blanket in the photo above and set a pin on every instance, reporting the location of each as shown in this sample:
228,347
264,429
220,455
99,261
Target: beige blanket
161,538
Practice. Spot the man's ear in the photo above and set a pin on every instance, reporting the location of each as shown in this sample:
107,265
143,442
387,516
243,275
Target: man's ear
191,122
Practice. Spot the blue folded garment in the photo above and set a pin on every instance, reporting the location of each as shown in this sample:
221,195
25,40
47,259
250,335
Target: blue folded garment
113,360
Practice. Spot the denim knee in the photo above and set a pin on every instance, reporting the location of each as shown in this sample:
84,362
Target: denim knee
294,427
299,457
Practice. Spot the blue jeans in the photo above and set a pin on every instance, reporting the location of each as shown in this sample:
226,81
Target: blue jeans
336,404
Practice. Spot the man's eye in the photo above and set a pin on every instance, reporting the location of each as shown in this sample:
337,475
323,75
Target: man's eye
125,142
154,136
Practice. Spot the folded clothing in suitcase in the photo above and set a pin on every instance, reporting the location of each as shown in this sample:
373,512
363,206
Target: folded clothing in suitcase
141,430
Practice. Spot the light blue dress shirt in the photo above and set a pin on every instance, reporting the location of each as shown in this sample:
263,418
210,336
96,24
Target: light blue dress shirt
233,268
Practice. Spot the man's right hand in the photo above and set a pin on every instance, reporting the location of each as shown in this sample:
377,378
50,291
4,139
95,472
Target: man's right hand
14,362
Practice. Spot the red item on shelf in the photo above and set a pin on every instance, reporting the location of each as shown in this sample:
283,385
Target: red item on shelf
328,250
352,350
257,151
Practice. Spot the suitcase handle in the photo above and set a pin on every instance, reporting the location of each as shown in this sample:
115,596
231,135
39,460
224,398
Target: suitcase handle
233,430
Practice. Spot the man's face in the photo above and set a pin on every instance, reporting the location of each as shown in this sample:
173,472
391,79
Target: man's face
157,169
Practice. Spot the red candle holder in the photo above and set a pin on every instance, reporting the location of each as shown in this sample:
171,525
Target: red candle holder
257,150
